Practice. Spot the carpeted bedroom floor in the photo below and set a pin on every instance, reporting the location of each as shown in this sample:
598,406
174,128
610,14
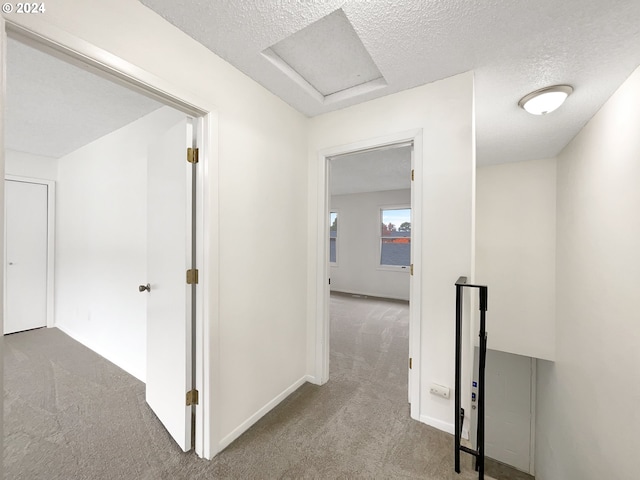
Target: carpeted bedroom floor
72,415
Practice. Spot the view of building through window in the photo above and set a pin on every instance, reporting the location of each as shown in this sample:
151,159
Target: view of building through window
395,237
333,236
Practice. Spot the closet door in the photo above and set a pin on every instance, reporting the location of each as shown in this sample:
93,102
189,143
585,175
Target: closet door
25,256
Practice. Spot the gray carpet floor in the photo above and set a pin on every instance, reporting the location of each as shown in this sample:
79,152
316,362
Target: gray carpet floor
70,414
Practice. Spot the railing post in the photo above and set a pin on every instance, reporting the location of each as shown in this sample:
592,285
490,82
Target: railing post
479,452
481,380
458,426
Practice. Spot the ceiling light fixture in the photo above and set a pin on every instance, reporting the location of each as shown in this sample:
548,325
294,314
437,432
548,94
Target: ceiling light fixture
545,100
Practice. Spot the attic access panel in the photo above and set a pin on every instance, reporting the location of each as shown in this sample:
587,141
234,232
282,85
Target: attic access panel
329,57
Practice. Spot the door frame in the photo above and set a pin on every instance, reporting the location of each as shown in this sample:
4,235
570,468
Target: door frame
322,257
51,235
77,51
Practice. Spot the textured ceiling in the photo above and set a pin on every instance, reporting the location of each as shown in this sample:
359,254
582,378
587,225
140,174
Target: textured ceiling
328,56
341,63
514,47
371,171
54,108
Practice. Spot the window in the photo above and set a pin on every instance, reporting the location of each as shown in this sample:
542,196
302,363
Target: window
395,237
333,237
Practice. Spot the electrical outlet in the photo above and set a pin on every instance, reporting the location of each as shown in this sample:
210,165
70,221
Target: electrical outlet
439,390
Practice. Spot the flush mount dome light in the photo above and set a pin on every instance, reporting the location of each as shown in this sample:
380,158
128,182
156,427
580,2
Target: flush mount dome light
546,99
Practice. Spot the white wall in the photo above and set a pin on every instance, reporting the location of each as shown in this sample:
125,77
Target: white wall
28,165
101,240
259,342
516,254
358,269
587,417
509,408
444,112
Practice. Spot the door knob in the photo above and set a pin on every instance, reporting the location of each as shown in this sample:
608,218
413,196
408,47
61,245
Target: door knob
146,287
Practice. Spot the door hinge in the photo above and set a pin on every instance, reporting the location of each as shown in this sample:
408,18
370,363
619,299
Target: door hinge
192,397
413,174
411,269
410,363
192,155
192,276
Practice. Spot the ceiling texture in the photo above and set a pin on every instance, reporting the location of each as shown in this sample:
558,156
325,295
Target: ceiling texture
323,55
54,108
371,171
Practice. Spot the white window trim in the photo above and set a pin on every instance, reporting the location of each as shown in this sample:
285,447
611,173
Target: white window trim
391,268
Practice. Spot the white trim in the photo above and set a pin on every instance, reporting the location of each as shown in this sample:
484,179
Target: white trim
393,268
415,285
444,426
311,379
244,426
470,311
71,48
322,265
335,264
51,235
322,256
190,305
207,290
532,438
372,295
347,93
439,424
294,76
3,87
75,50
393,206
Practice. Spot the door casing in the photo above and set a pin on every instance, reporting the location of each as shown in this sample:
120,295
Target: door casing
88,56
322,257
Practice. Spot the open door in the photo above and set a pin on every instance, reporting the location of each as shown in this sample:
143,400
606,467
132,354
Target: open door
170,299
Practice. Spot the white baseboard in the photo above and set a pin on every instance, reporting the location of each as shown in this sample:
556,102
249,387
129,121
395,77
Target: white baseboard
373,295
90,346
444,426
439,424
312,379
244,426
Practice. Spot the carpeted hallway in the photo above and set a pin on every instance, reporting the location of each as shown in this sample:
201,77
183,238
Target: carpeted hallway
70,414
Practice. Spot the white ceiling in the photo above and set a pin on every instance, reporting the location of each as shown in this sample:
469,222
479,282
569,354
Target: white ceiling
514,47
341,64
54,108
372,171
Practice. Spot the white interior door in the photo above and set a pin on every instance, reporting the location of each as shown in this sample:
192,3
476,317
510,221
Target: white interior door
25,256
169,306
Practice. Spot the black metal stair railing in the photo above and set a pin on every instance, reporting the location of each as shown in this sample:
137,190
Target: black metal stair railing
478,453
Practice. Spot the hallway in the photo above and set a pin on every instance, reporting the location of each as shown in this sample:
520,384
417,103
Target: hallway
69,414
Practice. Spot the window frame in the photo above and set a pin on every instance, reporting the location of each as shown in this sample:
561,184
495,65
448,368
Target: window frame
337,212
380,265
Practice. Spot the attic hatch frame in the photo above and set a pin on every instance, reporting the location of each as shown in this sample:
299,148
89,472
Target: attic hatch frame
322,322
85,55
